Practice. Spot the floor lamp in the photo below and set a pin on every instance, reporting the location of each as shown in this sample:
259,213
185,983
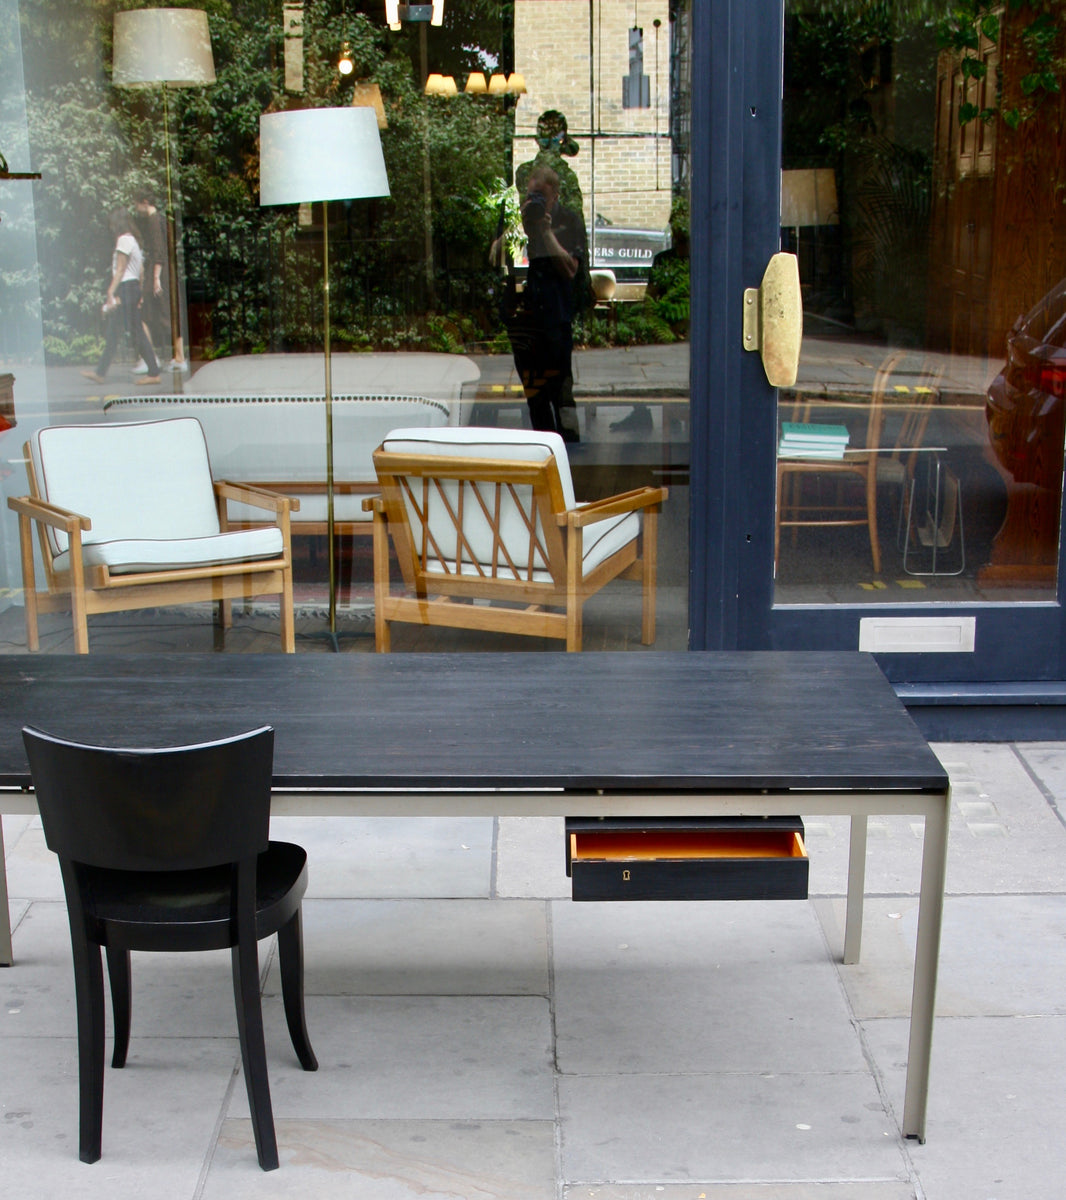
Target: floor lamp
164,48
321,154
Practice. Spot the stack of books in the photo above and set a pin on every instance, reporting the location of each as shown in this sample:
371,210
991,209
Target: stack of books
812,441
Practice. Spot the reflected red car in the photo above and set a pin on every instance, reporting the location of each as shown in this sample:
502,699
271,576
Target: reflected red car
1025,408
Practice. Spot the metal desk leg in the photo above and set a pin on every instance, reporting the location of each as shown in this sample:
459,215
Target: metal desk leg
926,954
6,956
856,889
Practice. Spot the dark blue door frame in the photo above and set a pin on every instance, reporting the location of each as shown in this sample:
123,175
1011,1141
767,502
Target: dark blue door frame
736,152
1015,685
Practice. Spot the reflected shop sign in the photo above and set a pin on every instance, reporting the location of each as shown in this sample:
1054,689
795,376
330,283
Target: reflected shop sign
626,252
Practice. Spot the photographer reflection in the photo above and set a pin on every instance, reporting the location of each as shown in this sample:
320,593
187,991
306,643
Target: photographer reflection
541,328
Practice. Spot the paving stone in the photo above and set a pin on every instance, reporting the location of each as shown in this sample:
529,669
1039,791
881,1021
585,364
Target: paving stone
429,947
996,1105
733,986
727,1127
390,1160
989,963
415,1058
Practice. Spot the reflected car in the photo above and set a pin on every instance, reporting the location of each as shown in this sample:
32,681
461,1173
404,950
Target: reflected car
1026,400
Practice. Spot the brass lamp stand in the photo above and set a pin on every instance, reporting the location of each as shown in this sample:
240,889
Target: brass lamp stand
322,154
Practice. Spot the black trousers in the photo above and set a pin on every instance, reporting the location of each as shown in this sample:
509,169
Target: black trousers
543,354
127,316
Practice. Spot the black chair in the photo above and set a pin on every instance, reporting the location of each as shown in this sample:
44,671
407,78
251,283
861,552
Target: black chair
169,850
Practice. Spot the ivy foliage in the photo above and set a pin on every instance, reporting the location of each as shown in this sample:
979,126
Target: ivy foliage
970,24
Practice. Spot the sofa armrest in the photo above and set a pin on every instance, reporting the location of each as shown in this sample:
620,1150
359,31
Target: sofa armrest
613,506
48,514
258,497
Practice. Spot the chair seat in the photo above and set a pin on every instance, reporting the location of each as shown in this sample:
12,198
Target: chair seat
131,556
189,910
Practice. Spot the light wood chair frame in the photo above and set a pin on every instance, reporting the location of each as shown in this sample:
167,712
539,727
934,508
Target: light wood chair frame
94,589
527,605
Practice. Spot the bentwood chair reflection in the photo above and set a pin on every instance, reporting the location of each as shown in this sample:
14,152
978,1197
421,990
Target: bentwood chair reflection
169,850
858,467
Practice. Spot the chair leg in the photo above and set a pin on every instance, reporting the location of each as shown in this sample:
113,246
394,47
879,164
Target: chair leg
118,974
871,518
29,584
291,961
382,630
288,616
650,556
245,959
89,991
575,597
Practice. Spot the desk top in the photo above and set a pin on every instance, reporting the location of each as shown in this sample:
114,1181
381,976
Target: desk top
690,721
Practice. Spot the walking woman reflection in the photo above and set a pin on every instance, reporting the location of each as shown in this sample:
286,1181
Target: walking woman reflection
122,303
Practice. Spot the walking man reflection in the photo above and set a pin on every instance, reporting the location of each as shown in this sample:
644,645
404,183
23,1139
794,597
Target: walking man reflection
541,332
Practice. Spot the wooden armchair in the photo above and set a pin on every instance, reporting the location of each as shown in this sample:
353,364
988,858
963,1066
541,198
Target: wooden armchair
482,515
128,517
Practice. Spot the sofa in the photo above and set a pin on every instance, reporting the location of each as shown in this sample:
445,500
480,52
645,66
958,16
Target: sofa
279,443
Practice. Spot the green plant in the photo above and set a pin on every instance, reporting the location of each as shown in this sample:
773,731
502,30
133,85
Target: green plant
970,21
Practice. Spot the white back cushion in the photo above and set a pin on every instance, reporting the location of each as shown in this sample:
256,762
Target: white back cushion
478,543
471,441
146,480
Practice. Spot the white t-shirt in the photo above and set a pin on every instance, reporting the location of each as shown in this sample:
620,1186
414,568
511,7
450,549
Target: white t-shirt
127,244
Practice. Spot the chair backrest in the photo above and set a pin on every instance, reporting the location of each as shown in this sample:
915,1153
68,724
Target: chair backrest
172,809
882,382
148,479
916,417
478,502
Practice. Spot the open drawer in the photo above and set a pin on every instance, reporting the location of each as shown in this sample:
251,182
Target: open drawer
678,858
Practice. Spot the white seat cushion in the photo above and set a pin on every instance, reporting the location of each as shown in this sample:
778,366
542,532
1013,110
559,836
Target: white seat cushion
133,555
145,481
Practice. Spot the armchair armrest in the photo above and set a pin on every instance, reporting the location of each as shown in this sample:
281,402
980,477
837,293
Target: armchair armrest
373,504
613,506
257,497
48,514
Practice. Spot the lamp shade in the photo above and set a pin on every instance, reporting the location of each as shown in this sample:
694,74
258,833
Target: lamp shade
809,197
320,154
170,46
475,83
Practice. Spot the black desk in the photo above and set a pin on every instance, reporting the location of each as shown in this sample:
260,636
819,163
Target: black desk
531,734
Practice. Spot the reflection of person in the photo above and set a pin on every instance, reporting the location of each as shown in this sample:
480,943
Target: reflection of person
541,331
122,304
554,142
155,298
555,146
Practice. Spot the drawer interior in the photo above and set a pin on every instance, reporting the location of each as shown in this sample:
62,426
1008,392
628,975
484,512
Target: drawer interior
630,845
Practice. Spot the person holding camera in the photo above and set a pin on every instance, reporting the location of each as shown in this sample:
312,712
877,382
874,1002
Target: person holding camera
541,332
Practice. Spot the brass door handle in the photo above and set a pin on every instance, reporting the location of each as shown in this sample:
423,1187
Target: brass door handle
773,319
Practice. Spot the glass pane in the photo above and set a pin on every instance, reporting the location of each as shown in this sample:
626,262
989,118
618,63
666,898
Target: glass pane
144,280
920,190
